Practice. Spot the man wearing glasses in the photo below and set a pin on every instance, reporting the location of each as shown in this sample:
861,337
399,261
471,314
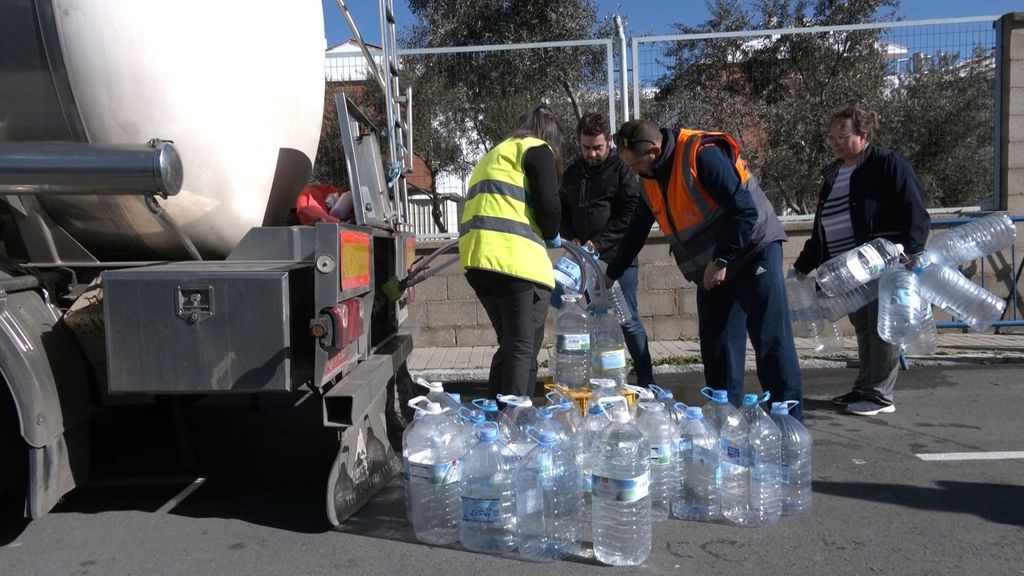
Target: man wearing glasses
726,238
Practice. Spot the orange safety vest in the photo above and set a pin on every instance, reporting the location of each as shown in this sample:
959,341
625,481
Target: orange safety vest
687,205
689,216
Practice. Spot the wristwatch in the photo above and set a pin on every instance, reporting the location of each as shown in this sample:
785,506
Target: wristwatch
721,263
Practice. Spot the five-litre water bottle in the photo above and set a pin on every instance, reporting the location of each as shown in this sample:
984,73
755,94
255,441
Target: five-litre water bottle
808,317
548,500
468,418
603,388
718,410
608,358
567,280
926,339
766,462
591,427
435,454
973,240
488,494
572,344
899,305
857,266
417,404
655,422
436,393
668,399
736,460
565,411
622,499
950,290
489,407
519,414
835,307
795,473
697,455
546,421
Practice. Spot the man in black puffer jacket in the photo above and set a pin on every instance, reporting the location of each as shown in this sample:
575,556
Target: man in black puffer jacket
599,196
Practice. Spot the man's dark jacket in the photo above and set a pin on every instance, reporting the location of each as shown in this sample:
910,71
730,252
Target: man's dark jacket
886,201
598,203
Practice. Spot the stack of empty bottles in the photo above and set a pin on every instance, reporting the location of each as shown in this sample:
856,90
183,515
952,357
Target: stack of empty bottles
906,296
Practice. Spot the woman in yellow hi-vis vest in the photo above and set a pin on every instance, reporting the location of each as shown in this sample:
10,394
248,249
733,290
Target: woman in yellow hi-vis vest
511,215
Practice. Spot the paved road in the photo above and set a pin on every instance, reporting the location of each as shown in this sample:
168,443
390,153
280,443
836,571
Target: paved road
878,508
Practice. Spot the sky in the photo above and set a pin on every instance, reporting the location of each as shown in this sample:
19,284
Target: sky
646,17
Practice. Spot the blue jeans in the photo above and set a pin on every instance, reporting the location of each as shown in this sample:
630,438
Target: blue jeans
633,331
752,303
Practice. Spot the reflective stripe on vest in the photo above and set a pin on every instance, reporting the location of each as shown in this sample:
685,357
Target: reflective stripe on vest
498,231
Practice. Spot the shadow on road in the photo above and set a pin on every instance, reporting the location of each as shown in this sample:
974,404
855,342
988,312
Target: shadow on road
1001,503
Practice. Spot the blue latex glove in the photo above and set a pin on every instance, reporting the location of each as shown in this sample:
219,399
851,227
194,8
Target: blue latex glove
554,243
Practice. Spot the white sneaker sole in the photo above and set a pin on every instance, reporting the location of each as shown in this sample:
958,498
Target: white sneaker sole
880,410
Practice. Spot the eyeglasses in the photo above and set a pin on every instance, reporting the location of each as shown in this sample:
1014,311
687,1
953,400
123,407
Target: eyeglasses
838,138
626,143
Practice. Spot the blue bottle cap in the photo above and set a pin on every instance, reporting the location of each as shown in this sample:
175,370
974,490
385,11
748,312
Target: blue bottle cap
750,399
595,409
488,434
547,438
720,397
694,413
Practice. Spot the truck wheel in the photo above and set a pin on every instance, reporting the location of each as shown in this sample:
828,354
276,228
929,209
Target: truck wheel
13,459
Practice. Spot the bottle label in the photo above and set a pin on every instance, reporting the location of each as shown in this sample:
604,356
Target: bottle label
612,359
543,464
572,342
529,501
765,472
661,454
568,272
437,474
586,480
627,490
865,263
484,510
905,297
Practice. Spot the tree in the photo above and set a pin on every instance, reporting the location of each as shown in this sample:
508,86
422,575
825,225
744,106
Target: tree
466,103
941,116
774,93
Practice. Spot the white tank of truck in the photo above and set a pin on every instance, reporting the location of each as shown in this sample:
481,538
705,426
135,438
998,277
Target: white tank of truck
201,73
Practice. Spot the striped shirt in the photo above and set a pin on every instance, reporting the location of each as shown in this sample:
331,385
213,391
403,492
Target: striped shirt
835,215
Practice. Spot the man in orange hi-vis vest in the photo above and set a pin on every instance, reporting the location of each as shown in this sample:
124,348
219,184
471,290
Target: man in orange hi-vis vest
726,238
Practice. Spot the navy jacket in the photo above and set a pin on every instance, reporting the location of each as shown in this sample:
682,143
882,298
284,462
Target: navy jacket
886,201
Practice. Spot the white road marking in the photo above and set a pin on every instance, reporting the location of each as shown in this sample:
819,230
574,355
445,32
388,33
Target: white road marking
954,456
181,496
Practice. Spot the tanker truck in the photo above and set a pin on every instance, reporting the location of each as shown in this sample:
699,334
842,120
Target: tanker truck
149,155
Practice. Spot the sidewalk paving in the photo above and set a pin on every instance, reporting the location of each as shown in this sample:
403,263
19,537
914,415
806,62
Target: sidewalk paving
675,356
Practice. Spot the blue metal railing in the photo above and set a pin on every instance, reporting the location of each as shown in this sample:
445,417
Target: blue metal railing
1015,317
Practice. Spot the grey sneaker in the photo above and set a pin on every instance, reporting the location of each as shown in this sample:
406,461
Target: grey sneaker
847,399
870,408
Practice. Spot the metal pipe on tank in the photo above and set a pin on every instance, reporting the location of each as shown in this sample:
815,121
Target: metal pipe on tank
69,168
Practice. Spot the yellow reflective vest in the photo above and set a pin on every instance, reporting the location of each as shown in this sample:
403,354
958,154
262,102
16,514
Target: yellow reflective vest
498,231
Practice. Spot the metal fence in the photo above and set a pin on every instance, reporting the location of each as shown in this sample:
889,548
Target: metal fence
932,82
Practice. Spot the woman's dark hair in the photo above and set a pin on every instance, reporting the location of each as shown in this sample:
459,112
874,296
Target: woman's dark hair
864,121
541,122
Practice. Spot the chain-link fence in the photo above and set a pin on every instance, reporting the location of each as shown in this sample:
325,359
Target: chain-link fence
931,82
